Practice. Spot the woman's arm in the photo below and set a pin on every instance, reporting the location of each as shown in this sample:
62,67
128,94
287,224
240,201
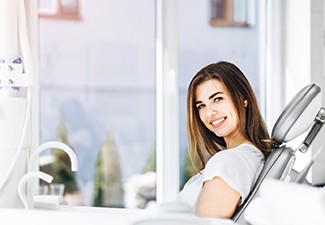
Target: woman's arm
217,199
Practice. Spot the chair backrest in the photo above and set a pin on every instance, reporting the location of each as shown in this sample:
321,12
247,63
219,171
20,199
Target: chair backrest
294,120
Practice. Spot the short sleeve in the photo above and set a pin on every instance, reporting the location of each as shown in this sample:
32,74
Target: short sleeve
238,167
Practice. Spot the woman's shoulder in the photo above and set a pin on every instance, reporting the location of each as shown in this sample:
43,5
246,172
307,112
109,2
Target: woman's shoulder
242,162
247,149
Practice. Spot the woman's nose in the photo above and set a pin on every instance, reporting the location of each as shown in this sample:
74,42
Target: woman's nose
211,111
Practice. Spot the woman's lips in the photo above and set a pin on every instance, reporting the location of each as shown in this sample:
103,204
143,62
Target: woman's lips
218,122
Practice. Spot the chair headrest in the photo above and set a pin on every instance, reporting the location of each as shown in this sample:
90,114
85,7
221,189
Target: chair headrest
298,115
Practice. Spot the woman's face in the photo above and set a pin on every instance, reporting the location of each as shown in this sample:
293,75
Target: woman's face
217,111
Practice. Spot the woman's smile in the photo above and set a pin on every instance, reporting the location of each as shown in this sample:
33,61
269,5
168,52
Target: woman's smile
216,123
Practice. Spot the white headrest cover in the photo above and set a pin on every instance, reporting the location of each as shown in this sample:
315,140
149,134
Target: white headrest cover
298,115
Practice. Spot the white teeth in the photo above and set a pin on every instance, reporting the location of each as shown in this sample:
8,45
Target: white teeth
218,121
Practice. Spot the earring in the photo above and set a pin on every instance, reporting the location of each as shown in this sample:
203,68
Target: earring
245,103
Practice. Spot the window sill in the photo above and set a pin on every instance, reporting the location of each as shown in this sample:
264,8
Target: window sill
67,215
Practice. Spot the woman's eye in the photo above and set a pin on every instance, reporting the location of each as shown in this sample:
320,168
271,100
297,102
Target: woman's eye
199,106
218,99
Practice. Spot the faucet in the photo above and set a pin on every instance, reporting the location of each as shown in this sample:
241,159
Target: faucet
27,200
53,144
32,162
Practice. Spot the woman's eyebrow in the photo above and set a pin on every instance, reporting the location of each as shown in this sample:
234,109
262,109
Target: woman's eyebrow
217,93
212,96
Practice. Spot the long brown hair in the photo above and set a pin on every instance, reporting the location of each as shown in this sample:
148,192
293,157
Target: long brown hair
201,141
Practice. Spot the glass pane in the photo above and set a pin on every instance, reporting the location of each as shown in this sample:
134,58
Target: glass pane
97,91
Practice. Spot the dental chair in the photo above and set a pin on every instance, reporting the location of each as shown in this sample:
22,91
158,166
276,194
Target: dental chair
304,112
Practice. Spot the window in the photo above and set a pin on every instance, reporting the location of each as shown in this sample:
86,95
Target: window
98,96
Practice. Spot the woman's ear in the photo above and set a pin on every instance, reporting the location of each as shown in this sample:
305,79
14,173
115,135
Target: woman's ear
245,103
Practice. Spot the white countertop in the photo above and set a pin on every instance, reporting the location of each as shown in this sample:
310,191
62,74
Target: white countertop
80,216
97,216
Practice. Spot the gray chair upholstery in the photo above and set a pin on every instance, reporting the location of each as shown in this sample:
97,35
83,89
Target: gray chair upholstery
296,118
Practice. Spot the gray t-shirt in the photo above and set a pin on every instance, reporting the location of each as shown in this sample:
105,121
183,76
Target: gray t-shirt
239,167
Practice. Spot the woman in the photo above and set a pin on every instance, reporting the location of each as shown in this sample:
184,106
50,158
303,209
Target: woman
226,137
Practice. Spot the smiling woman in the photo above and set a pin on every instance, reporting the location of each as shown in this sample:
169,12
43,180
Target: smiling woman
227,136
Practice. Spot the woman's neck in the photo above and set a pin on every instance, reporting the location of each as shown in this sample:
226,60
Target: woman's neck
236,140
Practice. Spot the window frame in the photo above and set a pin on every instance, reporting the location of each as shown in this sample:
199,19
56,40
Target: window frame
167,129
